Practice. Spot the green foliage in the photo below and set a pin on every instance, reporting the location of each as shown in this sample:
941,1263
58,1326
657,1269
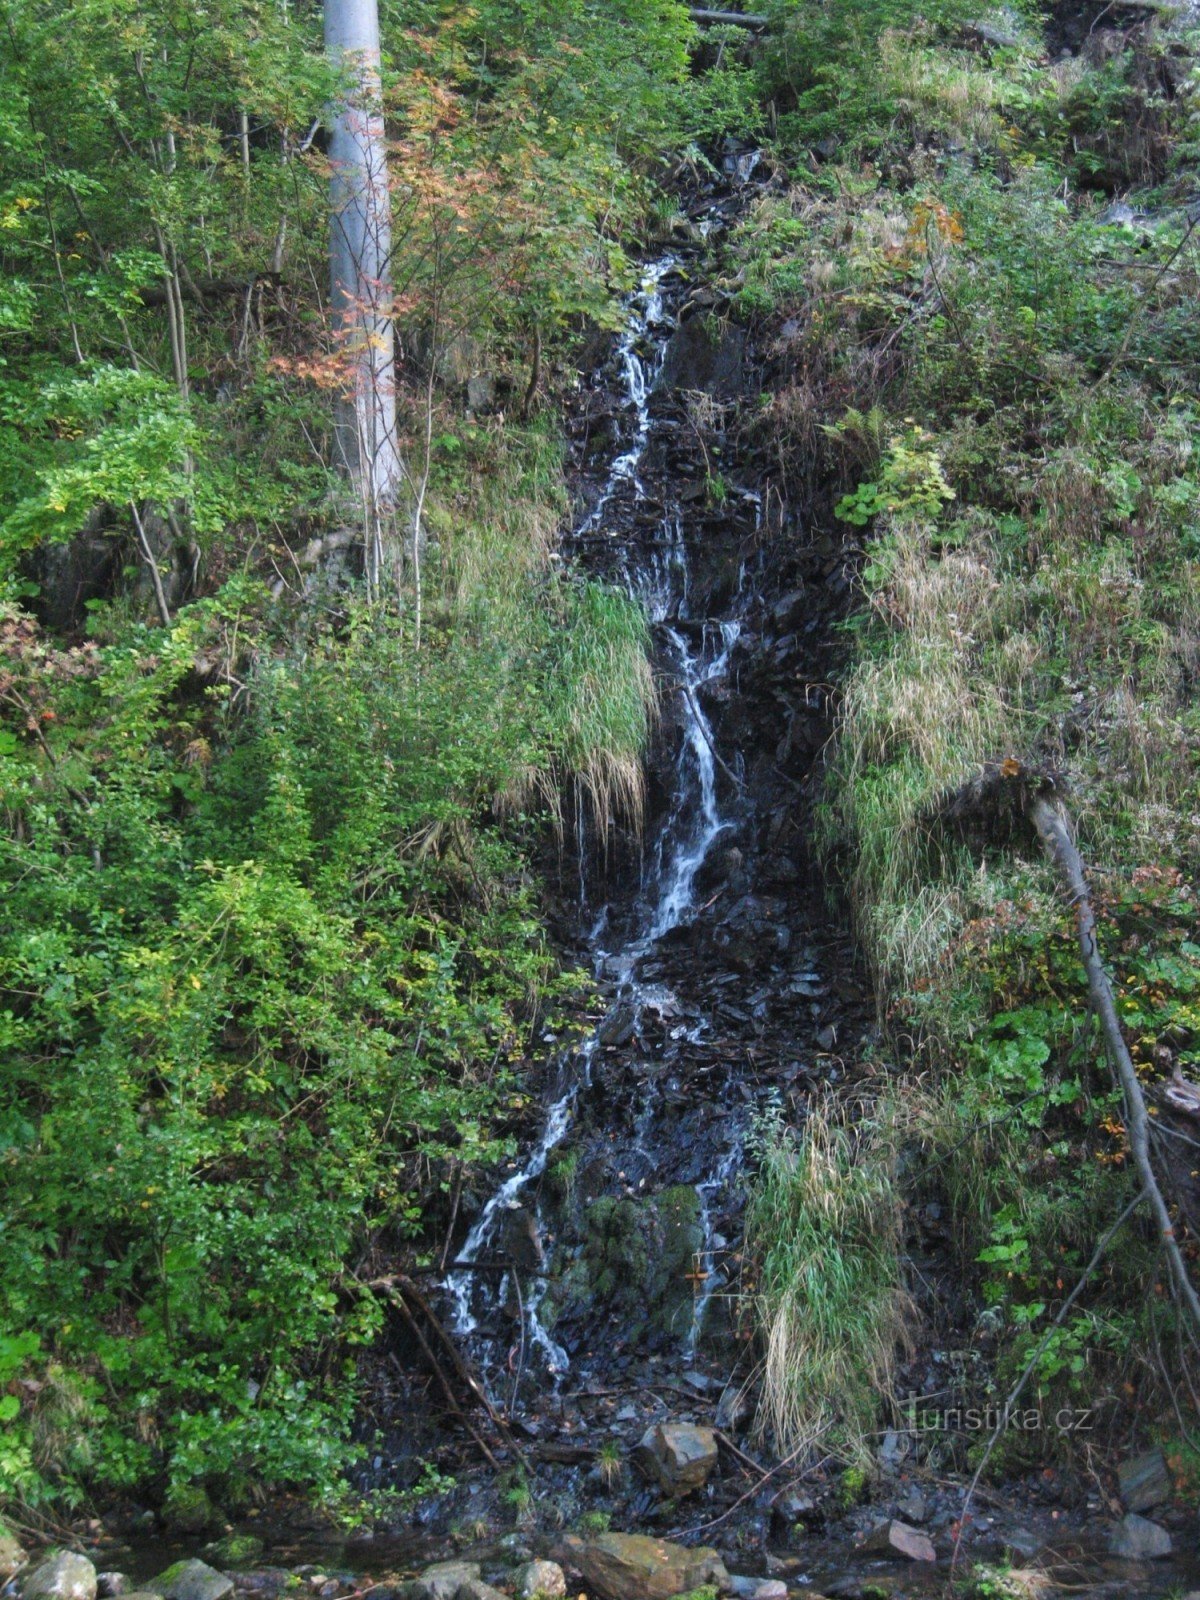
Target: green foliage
267,962
938,279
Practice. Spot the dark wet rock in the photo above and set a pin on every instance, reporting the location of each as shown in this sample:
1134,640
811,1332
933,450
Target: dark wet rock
191,1580
702,354
1144,1482
678,1455
632,1566
522,1240
618,1026
734,1409
913,1506
897,1538
540,1578
1138,1539
64,1575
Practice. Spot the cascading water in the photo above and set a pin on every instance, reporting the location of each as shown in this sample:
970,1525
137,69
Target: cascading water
657,572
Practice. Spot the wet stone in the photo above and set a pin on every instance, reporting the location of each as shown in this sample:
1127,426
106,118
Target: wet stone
632,1566
443,1580
1138,1539
897,1538
62,1576
544,1578
679,1455
191,1580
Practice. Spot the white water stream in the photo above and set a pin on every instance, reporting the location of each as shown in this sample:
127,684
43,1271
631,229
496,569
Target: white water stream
659,577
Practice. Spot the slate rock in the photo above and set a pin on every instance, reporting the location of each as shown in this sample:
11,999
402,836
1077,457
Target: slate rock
632,1566
1138,1539
63,1575
544,1578
678,1455
191,1580
898,1539
1145,1482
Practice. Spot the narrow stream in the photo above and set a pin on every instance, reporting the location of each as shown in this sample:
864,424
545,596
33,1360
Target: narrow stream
657,572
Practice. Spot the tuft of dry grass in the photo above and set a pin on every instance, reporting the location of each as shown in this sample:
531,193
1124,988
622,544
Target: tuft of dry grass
824,1226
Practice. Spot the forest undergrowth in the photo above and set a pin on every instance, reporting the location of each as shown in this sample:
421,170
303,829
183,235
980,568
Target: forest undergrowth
977,272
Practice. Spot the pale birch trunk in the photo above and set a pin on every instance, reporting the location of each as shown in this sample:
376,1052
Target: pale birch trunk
360,273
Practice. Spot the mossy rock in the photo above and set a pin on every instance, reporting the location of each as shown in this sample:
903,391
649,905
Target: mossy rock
637,1256
188,1509
235,1550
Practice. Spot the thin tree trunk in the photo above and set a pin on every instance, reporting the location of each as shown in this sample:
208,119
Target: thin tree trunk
360,275
1054,829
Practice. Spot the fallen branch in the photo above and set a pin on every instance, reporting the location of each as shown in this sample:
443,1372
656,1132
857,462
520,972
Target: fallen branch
729,19
1050,819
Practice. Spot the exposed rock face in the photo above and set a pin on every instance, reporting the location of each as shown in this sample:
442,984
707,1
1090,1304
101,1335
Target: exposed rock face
701,355
678,1455
1138,1539
631,1566
191,1580
62,1576
545,1578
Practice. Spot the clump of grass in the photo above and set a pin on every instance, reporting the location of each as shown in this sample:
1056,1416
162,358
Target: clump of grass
603,700
824,1227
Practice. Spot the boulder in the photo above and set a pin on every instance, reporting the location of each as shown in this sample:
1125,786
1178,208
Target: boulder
191,1580
12,1556
62,1576
1138,1539
898,1539
1144,1482
545,1578
111,1584
443,1580
632,1566
678,1455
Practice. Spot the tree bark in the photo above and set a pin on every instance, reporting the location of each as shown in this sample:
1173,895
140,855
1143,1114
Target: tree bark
360,272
